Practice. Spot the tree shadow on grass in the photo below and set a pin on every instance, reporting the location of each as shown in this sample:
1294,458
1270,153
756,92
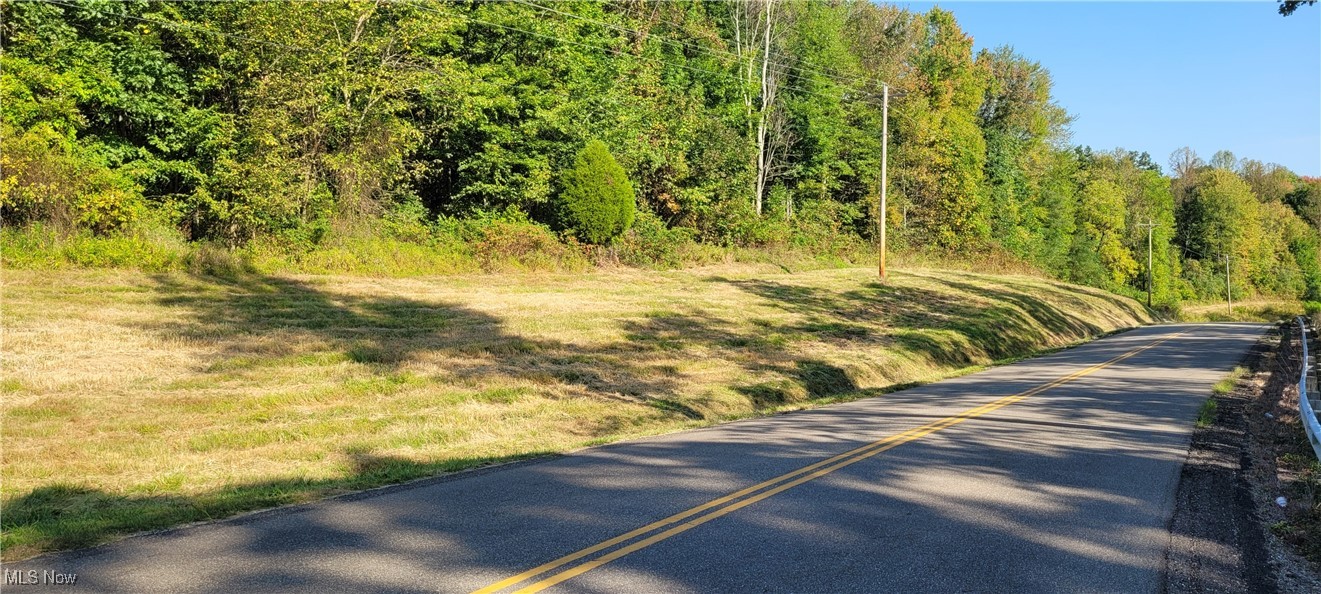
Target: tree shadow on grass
256,321
244,313
1050,314
64,516
807,379
942,327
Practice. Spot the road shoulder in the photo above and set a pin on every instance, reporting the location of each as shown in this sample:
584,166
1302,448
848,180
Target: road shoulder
1219,535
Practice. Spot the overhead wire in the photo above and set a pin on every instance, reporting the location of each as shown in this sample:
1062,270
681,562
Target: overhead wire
454,14
243,38
840,79
615,51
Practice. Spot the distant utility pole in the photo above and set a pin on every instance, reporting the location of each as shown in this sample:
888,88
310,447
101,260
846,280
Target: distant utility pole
1229,298
885,146
1149,225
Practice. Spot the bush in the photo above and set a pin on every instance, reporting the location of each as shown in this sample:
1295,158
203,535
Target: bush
50,178
38,246
733,223
826,227
652,243
596,199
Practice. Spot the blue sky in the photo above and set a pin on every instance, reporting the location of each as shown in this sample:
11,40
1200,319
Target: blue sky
1158,76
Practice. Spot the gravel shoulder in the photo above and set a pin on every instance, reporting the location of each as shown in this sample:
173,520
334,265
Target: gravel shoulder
1221,537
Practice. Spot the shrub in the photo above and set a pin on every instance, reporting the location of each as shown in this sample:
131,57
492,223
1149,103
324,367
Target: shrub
406,220
596,199
652,243
508,240
734,224
41,246
50,178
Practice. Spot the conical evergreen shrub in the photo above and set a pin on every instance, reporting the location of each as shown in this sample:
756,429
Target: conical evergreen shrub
596,198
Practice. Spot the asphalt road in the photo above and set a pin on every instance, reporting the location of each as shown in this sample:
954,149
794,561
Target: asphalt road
1050,475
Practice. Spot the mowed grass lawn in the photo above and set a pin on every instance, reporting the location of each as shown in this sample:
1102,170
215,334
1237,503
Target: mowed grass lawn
134,401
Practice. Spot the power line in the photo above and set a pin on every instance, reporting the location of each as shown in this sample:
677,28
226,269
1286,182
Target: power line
840,79
182,26
723,75
177,25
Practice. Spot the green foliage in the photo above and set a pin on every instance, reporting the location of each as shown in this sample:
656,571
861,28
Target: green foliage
650,243
941,150
1305,200
40,246
1101,220
596,199
49,177
433,137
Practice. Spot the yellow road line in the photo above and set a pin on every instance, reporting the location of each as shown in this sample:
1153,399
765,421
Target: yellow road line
784,482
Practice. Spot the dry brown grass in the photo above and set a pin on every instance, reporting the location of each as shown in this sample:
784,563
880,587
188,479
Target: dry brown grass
1253,310
135,401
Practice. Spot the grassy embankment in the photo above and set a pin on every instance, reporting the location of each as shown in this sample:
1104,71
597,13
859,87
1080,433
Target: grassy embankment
1255,310
135,401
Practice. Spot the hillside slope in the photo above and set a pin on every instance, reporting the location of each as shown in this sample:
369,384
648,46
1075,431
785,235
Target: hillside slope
137,401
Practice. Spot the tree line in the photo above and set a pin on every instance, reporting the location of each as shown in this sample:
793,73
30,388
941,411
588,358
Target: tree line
733,123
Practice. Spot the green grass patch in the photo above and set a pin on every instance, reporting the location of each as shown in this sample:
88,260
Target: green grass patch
1264,311
1227,384
154,399
1207,414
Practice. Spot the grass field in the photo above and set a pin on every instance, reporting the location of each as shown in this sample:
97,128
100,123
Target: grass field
1256,310
134,401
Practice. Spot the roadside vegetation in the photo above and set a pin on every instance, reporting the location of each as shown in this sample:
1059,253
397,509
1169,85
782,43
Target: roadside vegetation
256,253
1207,414
401,138
136,401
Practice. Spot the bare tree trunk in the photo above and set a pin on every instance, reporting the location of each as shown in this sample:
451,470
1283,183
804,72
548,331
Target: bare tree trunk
769,86
779,139
755,34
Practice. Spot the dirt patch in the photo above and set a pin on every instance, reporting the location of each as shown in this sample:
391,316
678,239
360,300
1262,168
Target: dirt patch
1226,532
1284,465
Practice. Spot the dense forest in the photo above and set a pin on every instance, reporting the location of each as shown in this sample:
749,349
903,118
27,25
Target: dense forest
633,130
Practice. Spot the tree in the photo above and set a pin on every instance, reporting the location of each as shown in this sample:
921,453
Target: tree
1184,165
1101,219
1305,200
759,28
1270,182
596,199
940,150
1287,7
1222,218
1224,160
1018,120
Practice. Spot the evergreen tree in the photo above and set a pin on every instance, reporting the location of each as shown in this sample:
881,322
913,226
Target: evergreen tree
596,198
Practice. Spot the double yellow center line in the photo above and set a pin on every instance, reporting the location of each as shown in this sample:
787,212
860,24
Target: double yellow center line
716,508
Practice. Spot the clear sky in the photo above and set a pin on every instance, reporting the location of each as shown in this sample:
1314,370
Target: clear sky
1158,76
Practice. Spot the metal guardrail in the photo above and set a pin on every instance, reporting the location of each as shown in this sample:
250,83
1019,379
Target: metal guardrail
1306,412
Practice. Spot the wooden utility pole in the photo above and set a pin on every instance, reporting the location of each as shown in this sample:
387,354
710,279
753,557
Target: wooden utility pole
885,146
1149,225
1229,297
